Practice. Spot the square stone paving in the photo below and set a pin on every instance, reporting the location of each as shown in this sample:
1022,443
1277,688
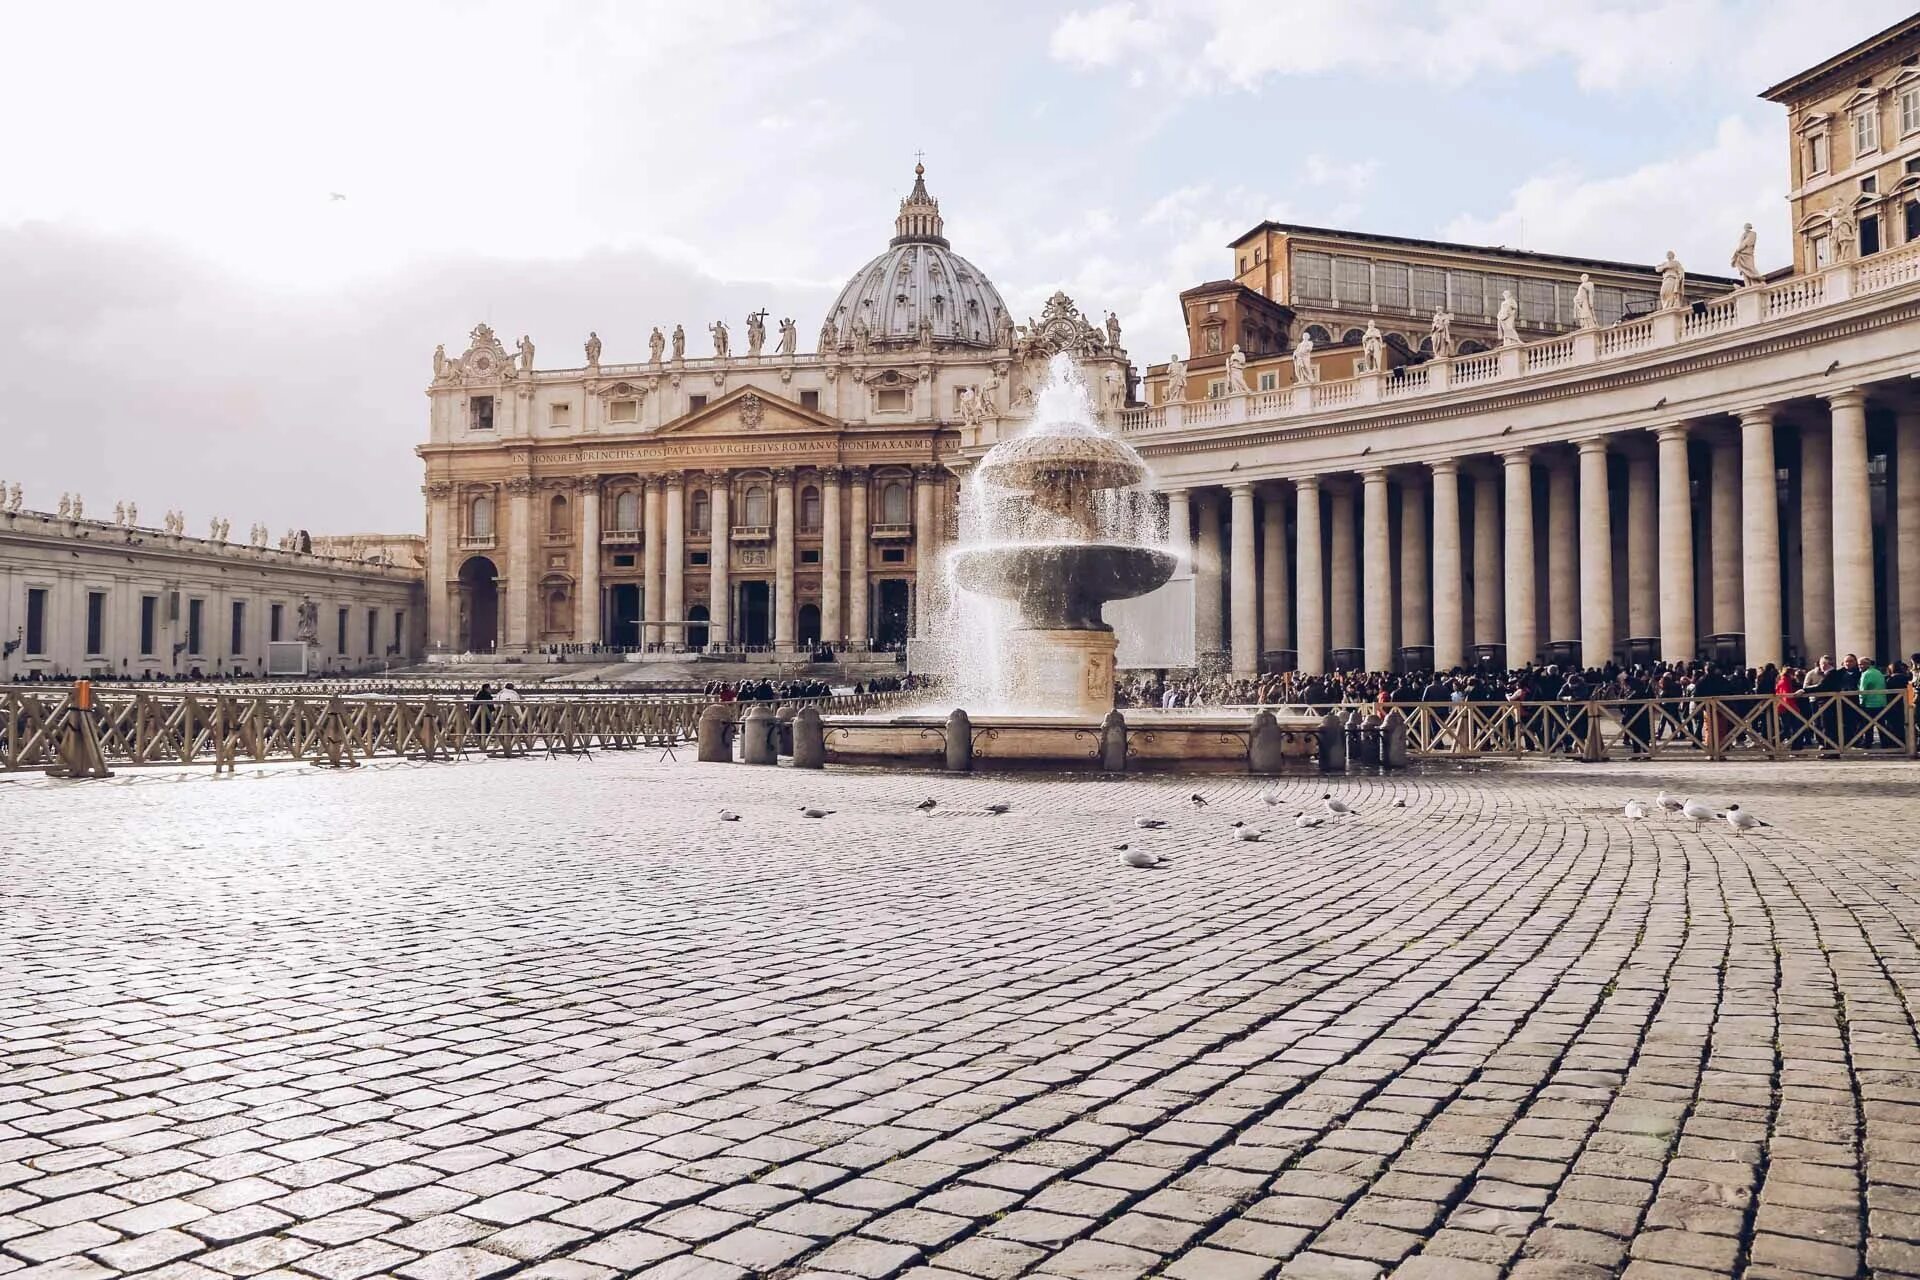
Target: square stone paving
555,1019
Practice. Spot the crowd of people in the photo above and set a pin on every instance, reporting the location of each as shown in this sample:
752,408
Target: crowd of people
781,690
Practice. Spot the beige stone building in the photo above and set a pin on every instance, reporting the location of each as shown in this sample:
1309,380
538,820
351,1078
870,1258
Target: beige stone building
754,497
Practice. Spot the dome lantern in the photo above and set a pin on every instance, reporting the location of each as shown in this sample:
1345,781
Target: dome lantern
919,221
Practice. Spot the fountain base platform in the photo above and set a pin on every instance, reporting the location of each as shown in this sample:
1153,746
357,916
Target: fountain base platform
1069,671
1170,741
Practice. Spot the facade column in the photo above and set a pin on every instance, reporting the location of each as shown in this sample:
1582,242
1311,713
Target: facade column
676,558
1276,575
1244,583
926,551
655,561
1563,552
443,531
1816,541
1759,538
1906,529
587,607
859,621
1676,547
719,558
1344,547
1416,592
1523,642
1377,570
1729,617
1486,560
1853,621
1596,556
785,608
1180,543
1449,615
1209,631
1309,568
1643,545
521,572
832,615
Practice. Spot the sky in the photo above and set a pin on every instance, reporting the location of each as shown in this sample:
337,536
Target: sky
189,317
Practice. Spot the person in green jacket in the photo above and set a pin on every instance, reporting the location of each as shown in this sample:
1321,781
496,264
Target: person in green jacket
1873,700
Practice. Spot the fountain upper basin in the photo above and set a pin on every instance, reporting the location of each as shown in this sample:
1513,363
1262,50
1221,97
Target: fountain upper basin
1060,586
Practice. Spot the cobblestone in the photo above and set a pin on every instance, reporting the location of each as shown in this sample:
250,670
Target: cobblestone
553,1019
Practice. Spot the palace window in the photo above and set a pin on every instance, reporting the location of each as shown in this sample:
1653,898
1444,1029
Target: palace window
1909,110
702,511
1216,388
810,400
1869,236
809,555
1469,292
1866,130
236,629
1817,153
1913,221
1353,280
150,624
890,400
36,622
893,555
399,629
373,632
1390,285
561,414
1270,381
559,616
753,512
696,403
1536,301
1313,277
97,622
1870,185
624,560
557,516
196,616
480,517
626,512
623,411
699,558
340,633
1429,289
480,413
894,503
810,509
1822,246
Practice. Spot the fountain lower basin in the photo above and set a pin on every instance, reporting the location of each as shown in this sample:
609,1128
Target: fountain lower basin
1152,740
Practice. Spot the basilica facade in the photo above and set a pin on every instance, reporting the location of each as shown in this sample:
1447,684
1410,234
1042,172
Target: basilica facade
751,498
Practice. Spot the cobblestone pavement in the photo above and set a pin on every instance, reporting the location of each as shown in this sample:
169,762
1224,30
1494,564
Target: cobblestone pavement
454,1021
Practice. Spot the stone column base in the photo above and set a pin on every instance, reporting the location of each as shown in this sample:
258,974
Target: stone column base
1064,672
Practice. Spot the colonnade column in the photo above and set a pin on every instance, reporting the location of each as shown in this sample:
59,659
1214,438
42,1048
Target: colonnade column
1208,632
587,608
832,615
926,551
1345,557
1449,614
1906,528
1676,547
1486,560
655,560
785,608
1816,541
1277,576
1180,543
1563,521
1377,627
1312,641
676,558
719,556
1853,629
1643,545
1416,590
1596,555
521,572
1244,583
859,621
1729,614
1523,642
443,529
1759,538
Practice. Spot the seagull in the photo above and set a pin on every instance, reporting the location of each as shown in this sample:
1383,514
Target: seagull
1698,812
1199,801
926,806
1149,824
1140,858
1334,807
998,807
1670,804
728,815
812,812
1272,797
1400,803
1305,821
335,195
1237,823
1740,820
1635,809
1248,834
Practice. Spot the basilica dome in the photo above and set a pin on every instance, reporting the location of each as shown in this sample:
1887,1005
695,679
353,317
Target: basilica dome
919,284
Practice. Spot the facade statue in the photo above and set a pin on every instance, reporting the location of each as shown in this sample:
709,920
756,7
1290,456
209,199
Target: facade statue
593,349
1442,332
988,406
133,510
65,510
119,513
719,331
656,344
862,337
924,331
1583,315
970,407
307,626
756,333
213,529
1743,256
1673,284
1303,370
1236,371
79,508
789,337
1373,345
1113,330
525,348
1003,330
829,335
15,499
1846,231
679,343
1176,380
440,362
1507,320
1115,389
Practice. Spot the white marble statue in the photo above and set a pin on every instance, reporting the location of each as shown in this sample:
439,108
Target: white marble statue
1846,231
525,347
789,337
307,628
756,333
1176,380
862,337
1003,331
1507,320
593,349
1113,330
65,510
656,345
1442,333
720,340
133,515
119,513
1115,391
1236,371
1303,370
213,529
924,331
15,499
1373,344
1583,314
829,335
1743,256
679,343
440,362
1673,284
989,407
79,507
970,407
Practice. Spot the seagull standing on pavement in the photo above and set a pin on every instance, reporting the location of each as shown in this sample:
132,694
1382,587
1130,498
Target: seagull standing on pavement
1698,812
1141,858
1149,824
1248,834
1335,808
811,812
728,815
1305,821
1197,800
1667,803
1634,809
927,805
1742,821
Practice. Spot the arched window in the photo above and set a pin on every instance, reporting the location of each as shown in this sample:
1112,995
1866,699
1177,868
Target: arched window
557,521
559,611
1352,335
480,517
1319,335
626,511
702,512
810,508
753,512
893,503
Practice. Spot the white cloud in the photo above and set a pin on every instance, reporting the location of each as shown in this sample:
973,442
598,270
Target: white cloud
1104,36
1353,176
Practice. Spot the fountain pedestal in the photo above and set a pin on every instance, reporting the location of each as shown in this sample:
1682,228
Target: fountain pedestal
1068,672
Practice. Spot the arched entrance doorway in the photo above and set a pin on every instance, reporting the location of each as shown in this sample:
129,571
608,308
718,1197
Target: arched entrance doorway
479,631
809,623
697,627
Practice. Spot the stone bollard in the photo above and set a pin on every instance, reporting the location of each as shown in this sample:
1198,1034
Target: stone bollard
716,736
959,742
1393,740
758,736
1113,742
1333,744
1366,745
809,740
1266,745
783,736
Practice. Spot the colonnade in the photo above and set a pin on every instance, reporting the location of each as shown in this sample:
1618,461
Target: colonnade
1748,537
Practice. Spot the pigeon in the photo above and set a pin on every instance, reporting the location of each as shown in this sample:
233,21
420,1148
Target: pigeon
1306,821
1334,807
1149,824
1740,820
1199,801
927,805
812,812
728,815
1698,812
1140,858
998,807
1670,804
1248,834
1634,809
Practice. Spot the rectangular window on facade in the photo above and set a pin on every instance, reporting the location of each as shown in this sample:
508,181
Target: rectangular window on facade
696,403
1313,277
1216,388
340,633
1466,293
1537,302
373,631
96,623
1270,381
1429,289
1817,153
892,555
480,413
699,558
36,636
810,400
1869,236
276,618
237,629
1913,221
623,411
561,414
623,561
149,624
1870,185
1822,251
1910,110
890,400
809,555
1390,289
399,630
1353,281
1866,131
196,617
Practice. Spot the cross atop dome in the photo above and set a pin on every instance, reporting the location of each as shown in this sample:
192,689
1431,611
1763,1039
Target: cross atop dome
919,221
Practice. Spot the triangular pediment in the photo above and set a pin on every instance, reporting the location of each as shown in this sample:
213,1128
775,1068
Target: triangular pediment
750,411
